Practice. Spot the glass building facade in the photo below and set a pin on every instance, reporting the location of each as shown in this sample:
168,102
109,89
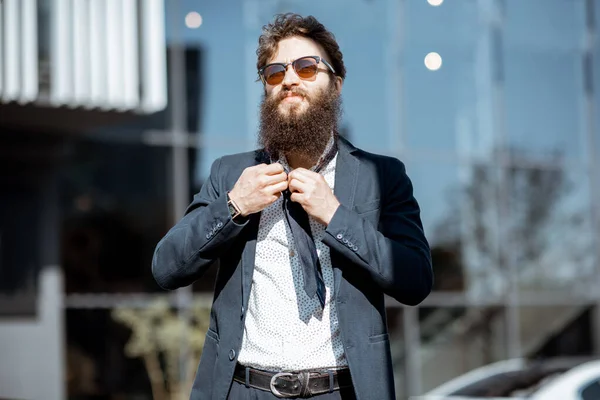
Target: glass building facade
493,105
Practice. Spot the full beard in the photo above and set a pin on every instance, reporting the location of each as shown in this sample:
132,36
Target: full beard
304,133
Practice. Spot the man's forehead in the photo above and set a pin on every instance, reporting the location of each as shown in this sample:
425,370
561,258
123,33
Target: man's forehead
291,48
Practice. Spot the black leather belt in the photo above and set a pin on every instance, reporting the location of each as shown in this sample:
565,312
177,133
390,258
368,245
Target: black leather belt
294,384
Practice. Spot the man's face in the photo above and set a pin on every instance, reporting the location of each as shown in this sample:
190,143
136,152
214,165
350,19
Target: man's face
299,116
293,93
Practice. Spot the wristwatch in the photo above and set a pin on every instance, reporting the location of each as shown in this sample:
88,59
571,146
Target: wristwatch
234,210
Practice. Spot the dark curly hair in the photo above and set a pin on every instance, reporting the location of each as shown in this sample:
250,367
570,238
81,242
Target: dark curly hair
287,25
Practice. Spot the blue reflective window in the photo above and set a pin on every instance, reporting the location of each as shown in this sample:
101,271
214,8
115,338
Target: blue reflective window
543,72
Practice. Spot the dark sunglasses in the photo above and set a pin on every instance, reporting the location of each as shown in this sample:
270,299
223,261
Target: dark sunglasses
305,67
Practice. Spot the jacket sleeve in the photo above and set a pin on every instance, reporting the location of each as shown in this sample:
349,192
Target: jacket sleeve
198,239
396,254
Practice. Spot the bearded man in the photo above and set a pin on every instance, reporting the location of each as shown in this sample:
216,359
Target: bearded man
310,234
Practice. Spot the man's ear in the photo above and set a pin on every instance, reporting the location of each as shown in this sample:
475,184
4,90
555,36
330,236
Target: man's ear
339,82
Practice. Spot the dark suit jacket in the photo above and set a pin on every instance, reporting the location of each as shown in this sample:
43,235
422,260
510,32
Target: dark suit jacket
377,247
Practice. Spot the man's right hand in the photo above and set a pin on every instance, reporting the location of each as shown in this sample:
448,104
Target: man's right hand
258,187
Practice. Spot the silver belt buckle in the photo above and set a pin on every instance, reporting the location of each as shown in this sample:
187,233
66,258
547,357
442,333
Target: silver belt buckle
272,384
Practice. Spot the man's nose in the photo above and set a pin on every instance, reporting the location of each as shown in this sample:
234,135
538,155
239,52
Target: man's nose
290,78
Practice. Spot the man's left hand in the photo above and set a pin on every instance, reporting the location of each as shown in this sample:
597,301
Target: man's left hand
312,192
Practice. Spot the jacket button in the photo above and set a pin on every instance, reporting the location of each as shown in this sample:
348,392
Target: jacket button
339,236
231,354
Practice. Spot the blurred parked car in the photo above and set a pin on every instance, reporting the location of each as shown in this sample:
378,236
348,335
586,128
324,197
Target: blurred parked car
553,379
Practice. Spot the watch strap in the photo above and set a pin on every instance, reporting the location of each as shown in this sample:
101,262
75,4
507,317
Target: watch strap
234,210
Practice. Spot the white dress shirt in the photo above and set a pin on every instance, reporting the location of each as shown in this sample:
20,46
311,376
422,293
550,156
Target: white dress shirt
286,330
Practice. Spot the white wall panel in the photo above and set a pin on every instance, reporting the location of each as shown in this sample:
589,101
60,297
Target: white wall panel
113,46
2,58
153,58
81,59
107,54
12,60
29,51
130,52
60,56
97,55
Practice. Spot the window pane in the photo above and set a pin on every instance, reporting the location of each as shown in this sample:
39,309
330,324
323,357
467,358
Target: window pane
28,210
550,236
460,216
544,76
439,104
596,86
457,340
20,258
571,333
592,391
596,75
134,352
438,190
395,326
115,201
96,363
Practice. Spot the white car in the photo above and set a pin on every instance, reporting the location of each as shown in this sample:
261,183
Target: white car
554,379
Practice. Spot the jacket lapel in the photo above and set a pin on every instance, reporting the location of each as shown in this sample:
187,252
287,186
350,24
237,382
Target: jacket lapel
346,179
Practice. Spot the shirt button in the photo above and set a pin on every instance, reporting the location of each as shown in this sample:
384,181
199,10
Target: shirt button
292,254
231,354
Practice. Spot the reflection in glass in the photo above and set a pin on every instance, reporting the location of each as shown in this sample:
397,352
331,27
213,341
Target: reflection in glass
480,225
596,97
439,106
395,324
537,119
114,201
554,25
96,364
544,76
437,189
440,101
457,340
459,209
571,333
134,352
549,232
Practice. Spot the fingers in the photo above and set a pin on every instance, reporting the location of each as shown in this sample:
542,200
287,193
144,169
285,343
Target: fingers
296,185
277,187
303,175
297,197
271,169
268,180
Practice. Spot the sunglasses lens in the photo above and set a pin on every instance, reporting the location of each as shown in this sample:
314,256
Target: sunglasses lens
306,68
274,74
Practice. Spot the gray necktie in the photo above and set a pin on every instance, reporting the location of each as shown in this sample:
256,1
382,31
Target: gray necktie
299,224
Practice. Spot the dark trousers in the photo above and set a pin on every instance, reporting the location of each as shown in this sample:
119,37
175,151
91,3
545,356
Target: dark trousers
239,391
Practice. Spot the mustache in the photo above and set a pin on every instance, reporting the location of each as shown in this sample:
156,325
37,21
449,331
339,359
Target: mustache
297,91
